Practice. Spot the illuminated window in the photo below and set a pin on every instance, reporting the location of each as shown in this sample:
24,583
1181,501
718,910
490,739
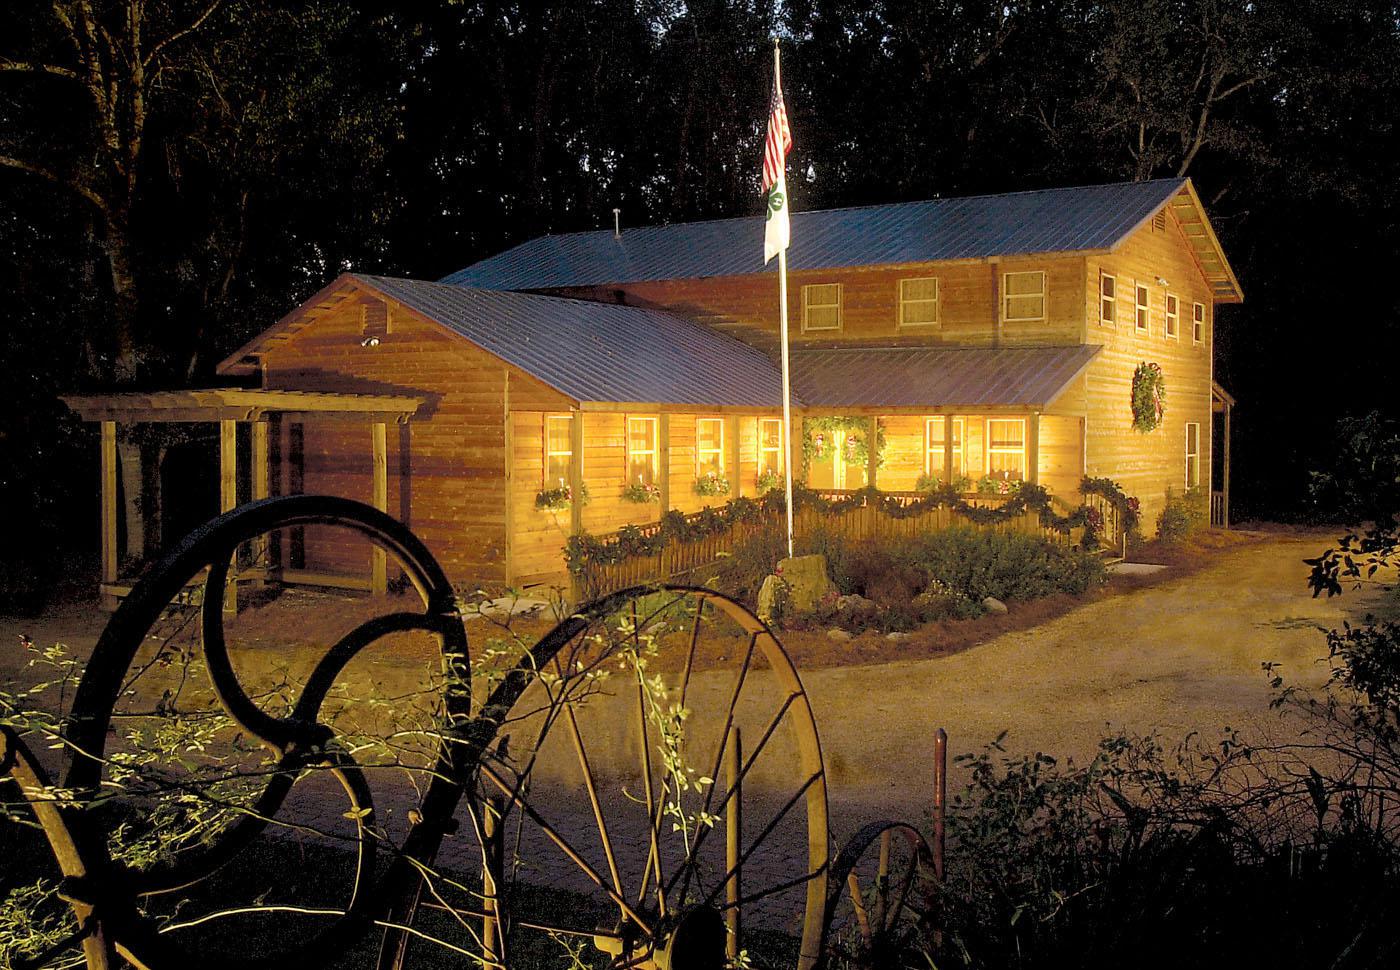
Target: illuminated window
1108,300
558,449
1006,448
641,451
1142,321
709,446
935,450
821,306
1173,318
1198,323
918,301
1024,296
770,446
1193,455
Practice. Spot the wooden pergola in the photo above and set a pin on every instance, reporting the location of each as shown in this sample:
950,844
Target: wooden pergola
228,407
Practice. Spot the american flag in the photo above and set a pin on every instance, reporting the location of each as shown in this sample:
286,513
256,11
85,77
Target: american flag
779,141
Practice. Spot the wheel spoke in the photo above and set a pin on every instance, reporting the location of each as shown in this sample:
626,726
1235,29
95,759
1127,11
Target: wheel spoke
767,831
858,904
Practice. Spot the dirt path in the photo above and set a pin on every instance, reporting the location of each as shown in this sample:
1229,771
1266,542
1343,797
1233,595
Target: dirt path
1178,656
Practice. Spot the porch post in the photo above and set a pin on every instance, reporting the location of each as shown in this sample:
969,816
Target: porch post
576,472
663,460
379,562
228,499
872,458
1225,483
259,490
949,426
1033,448
733,459
109,513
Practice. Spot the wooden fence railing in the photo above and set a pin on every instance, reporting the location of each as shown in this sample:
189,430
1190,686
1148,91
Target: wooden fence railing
1219,514
678,560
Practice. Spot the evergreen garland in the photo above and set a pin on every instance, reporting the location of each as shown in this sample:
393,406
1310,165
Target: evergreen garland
1149,397
818,438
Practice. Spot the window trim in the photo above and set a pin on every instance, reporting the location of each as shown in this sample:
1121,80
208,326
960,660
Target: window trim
1171,319
1110,301
544,469
1198,323
840,314
989,449
1193,456
959,438
779,452
937,302
1006,295
718,452
654,451
1142,309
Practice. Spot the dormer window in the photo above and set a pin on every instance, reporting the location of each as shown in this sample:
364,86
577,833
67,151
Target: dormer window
918,302
821,306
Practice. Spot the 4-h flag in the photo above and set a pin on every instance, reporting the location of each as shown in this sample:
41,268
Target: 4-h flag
775,151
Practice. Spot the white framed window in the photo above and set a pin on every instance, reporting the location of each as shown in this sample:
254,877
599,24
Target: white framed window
641,451
1006,448
770,445
1193,454
1173,317
918,302
935,445
1142,321
1198,323
558,449
1108,300
709,446
821,306
1023,296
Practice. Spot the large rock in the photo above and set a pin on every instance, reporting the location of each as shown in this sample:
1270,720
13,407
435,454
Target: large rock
808,584
993,605
836,633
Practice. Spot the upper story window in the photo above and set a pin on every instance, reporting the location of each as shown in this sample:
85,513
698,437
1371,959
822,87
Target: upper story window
770,445
1108,300
936,446
1193,455
709,446
1198,323
641,451
821,306
1173,317
1006,448
1023,296
558,449
1143,318
918,302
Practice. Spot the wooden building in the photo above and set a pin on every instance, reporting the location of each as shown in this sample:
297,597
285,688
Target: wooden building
991,336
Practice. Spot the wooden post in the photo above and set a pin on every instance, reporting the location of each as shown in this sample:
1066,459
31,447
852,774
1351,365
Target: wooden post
733,461
379,561
1033,448
109,513
1225,472
949,424
663,459
508,452
576,471
228,499
872,460
733,840
259,490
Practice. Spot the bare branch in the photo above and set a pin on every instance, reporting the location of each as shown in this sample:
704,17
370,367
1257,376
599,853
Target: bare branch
7,161
181,34
26,67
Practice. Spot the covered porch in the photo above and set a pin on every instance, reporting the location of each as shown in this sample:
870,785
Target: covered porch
264,413
1221,404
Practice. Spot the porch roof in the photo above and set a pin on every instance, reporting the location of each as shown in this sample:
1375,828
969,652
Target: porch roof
235,404
939,377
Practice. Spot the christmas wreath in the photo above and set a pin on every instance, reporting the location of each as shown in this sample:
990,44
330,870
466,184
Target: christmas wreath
1149,397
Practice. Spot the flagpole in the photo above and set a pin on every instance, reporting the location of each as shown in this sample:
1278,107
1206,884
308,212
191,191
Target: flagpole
783,338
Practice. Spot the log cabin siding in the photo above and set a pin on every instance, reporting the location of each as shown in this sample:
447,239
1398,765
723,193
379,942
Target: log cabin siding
1147,465
447,469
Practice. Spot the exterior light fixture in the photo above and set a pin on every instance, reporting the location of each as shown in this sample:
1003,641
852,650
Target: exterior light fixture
370,342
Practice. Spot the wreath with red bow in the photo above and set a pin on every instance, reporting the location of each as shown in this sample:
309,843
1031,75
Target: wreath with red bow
1149,397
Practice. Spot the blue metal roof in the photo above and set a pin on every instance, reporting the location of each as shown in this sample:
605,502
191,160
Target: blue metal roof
900,377
1095,217
598,352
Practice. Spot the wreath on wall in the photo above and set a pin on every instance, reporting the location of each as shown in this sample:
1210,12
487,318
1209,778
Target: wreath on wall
819,440
1149,397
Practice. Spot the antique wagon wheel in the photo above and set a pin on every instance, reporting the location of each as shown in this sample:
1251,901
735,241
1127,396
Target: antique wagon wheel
619,756
878,913
104,892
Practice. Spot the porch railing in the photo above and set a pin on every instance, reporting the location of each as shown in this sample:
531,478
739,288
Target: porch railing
681,559
1219,514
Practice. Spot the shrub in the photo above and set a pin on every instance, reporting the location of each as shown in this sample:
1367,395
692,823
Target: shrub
1183,515
1007,565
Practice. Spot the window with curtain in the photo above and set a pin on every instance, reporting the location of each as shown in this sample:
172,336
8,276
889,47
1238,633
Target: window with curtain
641,450
1006,448
558,449
709,446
